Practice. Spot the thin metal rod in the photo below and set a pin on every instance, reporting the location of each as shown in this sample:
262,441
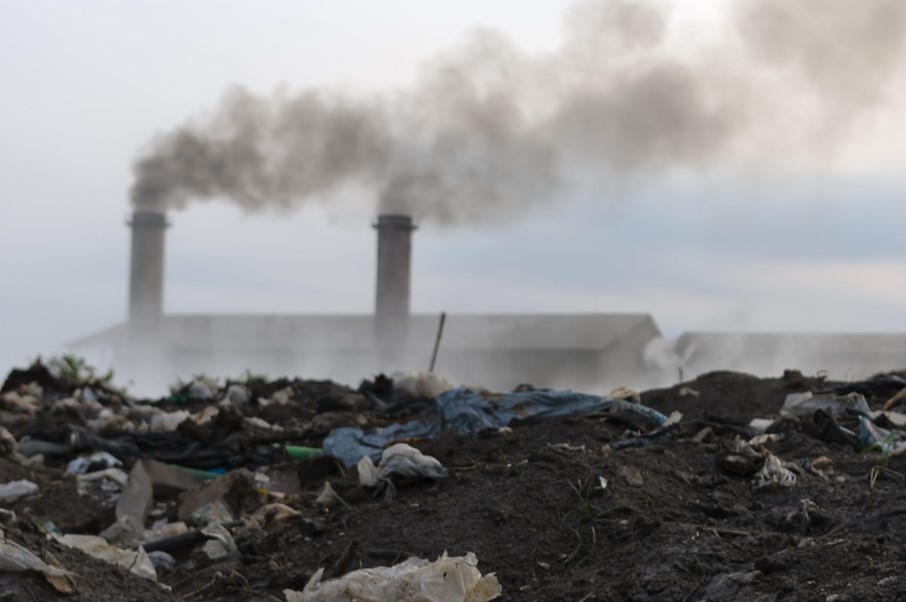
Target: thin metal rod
440,332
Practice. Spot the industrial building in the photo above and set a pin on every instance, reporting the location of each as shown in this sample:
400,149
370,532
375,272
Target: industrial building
497,351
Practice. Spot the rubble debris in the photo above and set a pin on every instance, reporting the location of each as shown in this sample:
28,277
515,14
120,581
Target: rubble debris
448,579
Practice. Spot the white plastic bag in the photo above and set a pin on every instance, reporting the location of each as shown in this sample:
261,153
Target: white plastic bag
399,460
446,579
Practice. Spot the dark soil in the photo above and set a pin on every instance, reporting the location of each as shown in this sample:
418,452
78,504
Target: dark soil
670,524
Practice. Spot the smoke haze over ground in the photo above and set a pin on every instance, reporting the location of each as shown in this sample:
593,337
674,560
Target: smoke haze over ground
491,132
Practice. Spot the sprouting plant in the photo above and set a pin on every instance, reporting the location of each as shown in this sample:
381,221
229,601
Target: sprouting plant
251,379
77,371
884,447
584,495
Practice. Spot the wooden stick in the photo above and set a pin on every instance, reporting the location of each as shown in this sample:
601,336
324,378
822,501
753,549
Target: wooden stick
440,332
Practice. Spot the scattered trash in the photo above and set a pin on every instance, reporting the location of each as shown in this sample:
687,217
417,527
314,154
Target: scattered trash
168,480
739,457
220,500
297,452
625,394
822,466
400,460
761,424
280,398
219,546
15,402
773,474
165,422
136,562
9,448
274,515
421,384
448,579
890,443
802,404
163,563
165,530
201,389
896,419
132,509
329,498
14,558
113,480
15,490
92,463
237,394
632,476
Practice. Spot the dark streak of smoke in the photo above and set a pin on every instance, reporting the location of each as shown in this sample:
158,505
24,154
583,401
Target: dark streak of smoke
491,133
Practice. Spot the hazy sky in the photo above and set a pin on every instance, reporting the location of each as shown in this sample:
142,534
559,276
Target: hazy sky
804,245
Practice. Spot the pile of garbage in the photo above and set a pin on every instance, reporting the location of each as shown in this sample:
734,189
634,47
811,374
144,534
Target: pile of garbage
401,488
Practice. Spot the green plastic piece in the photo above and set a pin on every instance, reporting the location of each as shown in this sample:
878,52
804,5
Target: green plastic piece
297,453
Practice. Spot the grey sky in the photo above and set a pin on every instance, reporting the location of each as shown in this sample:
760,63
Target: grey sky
86,85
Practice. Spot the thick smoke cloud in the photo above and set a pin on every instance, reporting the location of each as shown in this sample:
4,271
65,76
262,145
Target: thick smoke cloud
490,132
845,51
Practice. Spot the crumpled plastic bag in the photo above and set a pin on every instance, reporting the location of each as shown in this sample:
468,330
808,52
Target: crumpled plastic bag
447,579
400,460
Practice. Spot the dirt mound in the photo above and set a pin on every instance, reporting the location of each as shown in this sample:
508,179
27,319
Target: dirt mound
593,507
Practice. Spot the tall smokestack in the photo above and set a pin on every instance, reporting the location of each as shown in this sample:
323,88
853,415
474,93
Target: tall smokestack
394,261
146,280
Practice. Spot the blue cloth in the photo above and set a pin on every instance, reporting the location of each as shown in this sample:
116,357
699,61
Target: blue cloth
466,412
